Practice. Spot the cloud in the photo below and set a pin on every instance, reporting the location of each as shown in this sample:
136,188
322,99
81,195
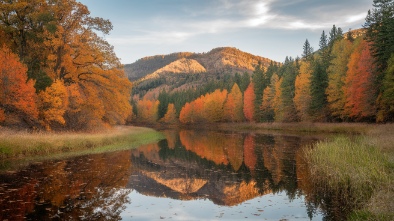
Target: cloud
356,18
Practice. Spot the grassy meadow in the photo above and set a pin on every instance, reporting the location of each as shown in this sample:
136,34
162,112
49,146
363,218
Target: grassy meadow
22,145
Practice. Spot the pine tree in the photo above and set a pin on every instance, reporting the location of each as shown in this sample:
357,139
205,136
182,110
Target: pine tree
289,72
386,112
307,51
259,85
380,32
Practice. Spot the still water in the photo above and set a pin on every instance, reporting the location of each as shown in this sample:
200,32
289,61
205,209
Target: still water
192,175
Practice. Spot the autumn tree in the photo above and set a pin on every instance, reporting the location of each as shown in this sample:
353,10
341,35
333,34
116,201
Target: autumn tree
59,41
249,98
147,111
302,97
359,84
24,24
17,93
214,106
233,107
267,105
170,116
336,72
53,103
186,115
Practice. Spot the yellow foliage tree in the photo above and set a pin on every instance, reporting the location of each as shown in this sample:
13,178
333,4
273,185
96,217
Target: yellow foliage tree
53,103
170,116
267,106
302,96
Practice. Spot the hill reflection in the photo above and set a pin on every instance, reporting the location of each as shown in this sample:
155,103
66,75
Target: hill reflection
226,168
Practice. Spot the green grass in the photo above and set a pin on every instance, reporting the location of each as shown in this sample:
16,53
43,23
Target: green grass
363,165
23,145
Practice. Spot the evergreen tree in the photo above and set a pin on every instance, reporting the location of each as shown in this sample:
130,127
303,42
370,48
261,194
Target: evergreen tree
289,73
259,85
386,112
380,31
335,34
319,78
163,106
245,81
307,50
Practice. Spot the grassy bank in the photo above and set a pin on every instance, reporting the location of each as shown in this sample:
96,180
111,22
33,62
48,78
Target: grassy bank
363,166
343,128
22,145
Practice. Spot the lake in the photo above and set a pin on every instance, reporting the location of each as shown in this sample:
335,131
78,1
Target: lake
191,175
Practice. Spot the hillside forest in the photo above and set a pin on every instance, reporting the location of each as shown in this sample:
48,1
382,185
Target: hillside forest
57,71
349,78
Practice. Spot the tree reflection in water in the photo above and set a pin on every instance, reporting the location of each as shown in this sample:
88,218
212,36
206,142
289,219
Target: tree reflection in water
226,168
81,188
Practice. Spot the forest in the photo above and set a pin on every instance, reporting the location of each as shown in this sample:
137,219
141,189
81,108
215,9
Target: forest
349,78
57,71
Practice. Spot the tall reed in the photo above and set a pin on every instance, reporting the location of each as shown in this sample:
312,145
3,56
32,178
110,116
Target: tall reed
355,166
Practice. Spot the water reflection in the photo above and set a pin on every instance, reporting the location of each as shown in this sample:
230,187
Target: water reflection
88,188
228,169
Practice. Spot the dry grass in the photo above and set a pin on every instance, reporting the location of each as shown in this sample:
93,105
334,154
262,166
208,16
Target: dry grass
17,145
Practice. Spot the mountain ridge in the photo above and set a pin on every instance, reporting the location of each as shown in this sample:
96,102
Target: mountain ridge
218,60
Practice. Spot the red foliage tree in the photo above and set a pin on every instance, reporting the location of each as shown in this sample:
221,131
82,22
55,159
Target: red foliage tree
249,98
359,85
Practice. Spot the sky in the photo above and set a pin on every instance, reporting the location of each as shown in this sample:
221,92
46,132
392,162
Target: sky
269,28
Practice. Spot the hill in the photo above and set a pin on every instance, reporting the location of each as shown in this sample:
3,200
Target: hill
185,70
218,60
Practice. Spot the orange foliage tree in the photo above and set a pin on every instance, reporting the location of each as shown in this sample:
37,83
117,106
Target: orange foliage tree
359,85
249,98
147,110
186,114
208,108
17,93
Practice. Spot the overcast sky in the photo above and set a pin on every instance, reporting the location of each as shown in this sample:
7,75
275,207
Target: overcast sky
268,28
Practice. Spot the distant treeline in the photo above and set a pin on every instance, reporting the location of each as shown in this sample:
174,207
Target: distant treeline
350,78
